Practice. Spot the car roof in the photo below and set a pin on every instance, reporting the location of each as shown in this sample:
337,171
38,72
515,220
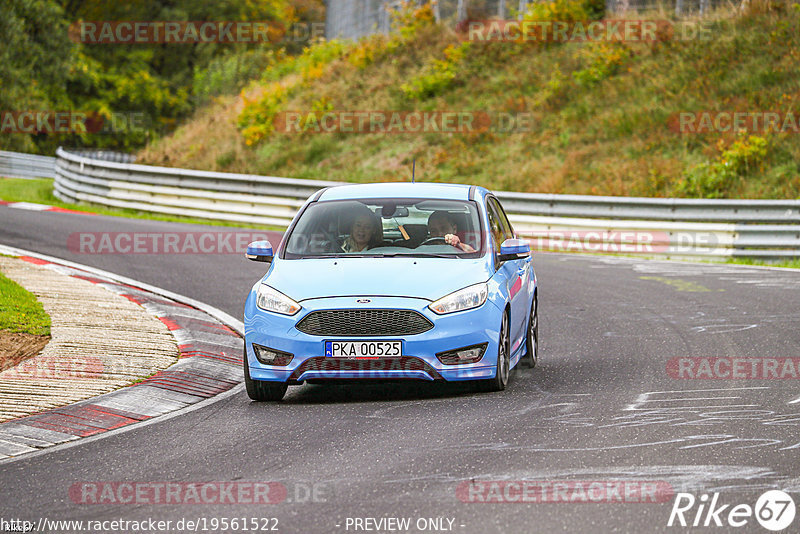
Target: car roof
401,190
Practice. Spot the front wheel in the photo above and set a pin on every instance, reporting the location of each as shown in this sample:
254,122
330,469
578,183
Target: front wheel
532,340
261,390
500,380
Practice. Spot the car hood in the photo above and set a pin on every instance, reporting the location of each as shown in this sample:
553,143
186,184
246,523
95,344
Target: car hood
427,278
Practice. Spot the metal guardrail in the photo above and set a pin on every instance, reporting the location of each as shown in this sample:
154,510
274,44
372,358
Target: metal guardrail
20,165
712,229
207,195
105,155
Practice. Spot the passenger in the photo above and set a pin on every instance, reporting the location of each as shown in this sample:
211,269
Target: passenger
441,224
365,233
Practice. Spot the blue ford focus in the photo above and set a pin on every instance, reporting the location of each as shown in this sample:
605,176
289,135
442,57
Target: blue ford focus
392,281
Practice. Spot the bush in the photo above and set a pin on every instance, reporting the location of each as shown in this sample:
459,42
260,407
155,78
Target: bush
410,19
309,63
604,60
257,117
554,92
372,49
713,180
596,9
437,75
559,10
228,74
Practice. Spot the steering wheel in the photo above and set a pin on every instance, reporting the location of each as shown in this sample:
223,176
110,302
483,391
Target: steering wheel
331,243
435,241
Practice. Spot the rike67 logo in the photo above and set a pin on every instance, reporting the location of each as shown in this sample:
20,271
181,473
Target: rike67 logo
774,510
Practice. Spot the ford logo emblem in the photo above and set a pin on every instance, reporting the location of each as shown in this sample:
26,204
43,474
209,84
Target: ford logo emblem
363,301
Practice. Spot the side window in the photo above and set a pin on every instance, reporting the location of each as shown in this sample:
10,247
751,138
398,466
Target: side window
508,229
495,225
501,228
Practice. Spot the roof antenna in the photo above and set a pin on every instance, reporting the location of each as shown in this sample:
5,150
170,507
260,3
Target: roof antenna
413,169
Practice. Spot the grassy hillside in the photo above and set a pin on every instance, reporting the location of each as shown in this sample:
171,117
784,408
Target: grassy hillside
601,110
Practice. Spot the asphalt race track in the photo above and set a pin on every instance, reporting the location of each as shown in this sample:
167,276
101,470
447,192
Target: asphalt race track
602,406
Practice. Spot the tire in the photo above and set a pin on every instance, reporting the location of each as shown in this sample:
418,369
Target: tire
262,390
532,340
500,379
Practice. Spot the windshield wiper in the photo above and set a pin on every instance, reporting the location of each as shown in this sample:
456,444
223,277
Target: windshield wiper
429,255
384,255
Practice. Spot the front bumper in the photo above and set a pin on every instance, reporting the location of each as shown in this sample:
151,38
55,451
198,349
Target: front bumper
419,361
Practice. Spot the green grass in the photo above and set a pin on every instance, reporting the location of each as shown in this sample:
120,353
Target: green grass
40,191
787,264
782,264
20,311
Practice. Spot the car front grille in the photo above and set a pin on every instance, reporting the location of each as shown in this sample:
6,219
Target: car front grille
364,323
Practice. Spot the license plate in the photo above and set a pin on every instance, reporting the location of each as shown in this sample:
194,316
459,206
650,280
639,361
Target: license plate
363,349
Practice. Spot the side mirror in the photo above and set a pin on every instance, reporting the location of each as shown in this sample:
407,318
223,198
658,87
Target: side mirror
514,249
259,251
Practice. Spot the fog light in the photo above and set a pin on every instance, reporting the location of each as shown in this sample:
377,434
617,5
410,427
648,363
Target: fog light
470,354
269,356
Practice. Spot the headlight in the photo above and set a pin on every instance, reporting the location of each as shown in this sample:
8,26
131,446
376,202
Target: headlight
463,299
273,300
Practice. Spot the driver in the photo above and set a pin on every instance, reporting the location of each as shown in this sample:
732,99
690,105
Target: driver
441,224
365,232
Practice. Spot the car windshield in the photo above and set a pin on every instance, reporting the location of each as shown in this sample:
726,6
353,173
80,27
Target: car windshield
386,228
